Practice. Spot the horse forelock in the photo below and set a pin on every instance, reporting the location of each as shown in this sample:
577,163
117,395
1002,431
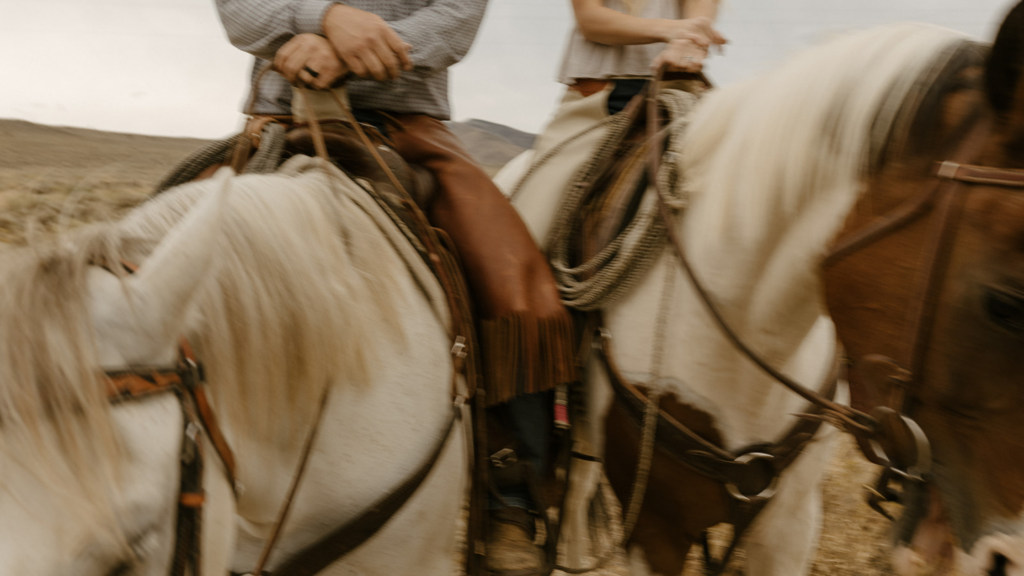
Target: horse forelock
54,417
776,163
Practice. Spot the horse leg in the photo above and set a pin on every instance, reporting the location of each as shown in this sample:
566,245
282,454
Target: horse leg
658,548
783,539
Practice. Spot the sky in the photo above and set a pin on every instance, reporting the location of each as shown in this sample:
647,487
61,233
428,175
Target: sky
165,67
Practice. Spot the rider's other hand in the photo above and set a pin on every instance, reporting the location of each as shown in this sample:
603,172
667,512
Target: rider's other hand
682,55
365,43
309,60
699,29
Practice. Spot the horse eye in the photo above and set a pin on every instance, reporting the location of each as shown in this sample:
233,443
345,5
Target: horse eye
1005,309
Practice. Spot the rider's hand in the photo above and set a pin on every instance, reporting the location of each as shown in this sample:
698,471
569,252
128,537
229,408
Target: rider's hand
365,43
683,55
698,29
688,45
309,60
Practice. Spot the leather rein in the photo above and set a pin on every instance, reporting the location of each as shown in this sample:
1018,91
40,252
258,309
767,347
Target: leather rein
750,475
342,540
886,426
899,444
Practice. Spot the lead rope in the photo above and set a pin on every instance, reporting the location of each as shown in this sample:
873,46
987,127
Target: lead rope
646,456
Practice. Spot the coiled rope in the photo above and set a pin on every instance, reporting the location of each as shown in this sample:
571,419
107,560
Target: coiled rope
611,273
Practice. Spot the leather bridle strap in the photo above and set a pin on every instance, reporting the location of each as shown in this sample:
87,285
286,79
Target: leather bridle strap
185,380
141,382
206,413
289,499
332,547
189,372
973,174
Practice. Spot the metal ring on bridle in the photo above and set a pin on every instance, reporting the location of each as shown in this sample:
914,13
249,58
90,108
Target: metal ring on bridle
765,494
923,456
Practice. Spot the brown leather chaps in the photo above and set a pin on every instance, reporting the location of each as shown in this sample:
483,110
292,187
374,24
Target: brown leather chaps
526,335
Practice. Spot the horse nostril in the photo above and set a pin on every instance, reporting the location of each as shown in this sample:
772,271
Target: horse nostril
999,563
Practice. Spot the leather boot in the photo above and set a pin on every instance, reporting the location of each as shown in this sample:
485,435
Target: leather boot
510,544
525,333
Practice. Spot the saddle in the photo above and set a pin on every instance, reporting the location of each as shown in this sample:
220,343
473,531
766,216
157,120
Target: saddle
270,140
348,152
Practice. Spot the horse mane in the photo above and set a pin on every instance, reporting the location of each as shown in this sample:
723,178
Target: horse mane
298,284
54,414
779,160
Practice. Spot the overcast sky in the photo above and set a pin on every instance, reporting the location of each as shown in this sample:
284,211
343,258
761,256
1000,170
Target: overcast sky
165,67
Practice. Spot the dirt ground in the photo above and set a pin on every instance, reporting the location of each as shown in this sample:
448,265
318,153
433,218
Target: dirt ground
54,178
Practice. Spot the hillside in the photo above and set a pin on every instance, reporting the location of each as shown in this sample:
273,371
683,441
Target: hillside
106,173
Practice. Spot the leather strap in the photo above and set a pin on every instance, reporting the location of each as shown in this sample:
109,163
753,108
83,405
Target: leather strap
980,174
697,453
324,552
206,413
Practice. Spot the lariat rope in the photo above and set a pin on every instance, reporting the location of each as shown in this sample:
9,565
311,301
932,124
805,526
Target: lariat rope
627,258
611,273
652,409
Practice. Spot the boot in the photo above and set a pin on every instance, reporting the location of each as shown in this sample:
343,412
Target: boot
510,544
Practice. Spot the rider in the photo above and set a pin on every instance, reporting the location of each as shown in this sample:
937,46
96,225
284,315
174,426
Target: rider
399,52
612,54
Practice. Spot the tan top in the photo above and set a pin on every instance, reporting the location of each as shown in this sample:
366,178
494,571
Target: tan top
586,59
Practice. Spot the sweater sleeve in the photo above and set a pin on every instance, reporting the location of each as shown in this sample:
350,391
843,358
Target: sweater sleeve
441,34
260,27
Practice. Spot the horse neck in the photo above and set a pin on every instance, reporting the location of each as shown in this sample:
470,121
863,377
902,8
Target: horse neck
768,289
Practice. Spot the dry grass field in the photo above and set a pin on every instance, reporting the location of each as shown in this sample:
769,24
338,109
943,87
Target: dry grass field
54,178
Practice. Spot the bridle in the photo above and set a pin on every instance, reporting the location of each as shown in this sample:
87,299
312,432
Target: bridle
888,435
898,443
184,379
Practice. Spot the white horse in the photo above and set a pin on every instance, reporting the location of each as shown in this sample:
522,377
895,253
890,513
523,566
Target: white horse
89,488
773,166
292,289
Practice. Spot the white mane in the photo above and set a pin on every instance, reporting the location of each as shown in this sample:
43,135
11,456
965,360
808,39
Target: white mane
297,282
776,163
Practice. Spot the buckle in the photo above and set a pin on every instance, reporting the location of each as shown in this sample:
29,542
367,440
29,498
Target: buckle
947,170
191,373
504,458
459,348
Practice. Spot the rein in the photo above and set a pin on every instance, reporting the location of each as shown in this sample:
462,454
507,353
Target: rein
903,448
339,542
894,440
749,476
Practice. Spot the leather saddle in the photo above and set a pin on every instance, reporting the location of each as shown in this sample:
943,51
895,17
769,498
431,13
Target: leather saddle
348,152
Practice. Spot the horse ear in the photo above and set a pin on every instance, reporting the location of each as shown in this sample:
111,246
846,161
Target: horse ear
166,283
1005,64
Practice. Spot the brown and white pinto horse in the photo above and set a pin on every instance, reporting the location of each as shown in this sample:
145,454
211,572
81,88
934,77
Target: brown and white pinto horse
931,308
783,176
